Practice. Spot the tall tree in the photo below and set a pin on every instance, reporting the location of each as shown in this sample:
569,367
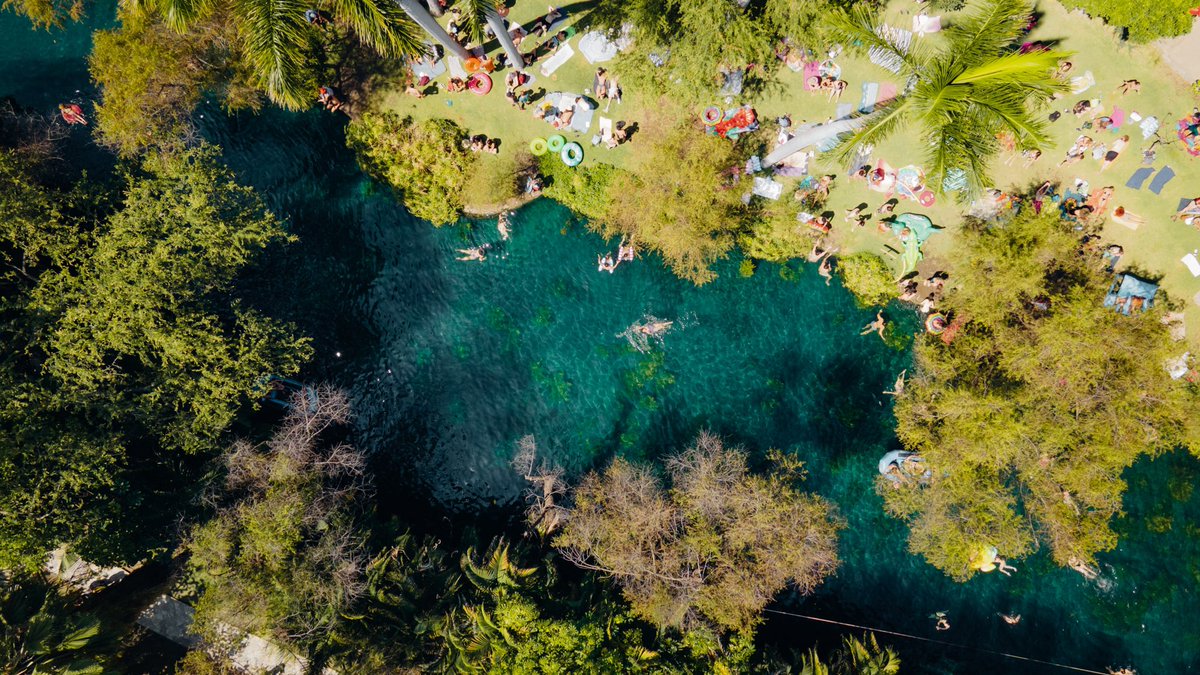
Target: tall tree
963,93
714,549
1027,420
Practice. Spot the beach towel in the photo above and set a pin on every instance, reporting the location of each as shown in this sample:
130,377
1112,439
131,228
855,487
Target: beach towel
560,57
1160,181
887,91
811,69
1139,178
1083,82
1183,201
456,68
1192,264
768,188
1148,127
843,111
923,24
1118,118
870,92
427,67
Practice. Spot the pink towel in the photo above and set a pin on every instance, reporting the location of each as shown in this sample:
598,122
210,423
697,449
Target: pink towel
811,69
887,91
1118,118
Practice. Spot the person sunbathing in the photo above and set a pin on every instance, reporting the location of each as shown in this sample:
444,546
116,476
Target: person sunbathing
1130,86
564,119
456,85
1114,151
1130,220
1189,212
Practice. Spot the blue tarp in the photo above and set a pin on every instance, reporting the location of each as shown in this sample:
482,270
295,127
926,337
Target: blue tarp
1129,292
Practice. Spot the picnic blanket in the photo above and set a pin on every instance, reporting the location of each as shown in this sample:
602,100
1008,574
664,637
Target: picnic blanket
597,48
456,68
581,120
812,69
560,57
923,24
428,66
1160,181
887,91
767,188
1139,177
843,110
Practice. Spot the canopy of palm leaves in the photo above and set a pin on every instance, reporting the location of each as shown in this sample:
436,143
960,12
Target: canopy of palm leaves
962,95
275,35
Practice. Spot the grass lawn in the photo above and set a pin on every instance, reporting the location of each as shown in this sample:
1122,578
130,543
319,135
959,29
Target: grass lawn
1156,247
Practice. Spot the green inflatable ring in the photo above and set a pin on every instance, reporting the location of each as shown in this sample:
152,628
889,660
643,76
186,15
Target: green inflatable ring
555,143
572,154
538,146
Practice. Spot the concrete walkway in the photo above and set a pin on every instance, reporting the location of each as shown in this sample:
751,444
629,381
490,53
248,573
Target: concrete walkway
1183,53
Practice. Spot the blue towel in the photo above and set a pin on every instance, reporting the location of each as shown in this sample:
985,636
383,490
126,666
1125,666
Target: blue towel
1160,181
843,110
870,92
1139,178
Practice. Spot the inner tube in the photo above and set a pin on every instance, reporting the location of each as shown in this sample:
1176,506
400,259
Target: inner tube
926,198
472,65
936,323
479,83
572,154
712,115
538,146
555,143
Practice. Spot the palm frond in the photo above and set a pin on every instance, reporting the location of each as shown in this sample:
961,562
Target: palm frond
986,27
178,14
876,127
474,14
381,25
859,26
274,33
1034,68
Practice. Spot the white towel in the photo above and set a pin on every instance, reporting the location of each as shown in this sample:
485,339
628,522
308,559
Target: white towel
560,57
1192,264
456,68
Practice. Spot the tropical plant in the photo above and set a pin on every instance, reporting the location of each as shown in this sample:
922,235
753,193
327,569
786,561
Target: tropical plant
275,37
425,161
713,550
1140,21
422,17
480,13
962,94
1028,418
41,633
865,657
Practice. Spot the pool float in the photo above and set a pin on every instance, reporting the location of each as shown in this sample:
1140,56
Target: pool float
479,83
926,198
555,143
572,154
538,146
712,115
472,65
936,323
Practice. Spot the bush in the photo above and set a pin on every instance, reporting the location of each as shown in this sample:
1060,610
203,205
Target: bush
775,235
583,189
1143,22
494,181
868,278
424,161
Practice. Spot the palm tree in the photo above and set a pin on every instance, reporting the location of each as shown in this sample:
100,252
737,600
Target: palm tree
275,35
419,14
959,97
41,633
865,657
477,13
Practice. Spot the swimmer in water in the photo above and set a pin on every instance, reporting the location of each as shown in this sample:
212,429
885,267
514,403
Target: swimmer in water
1010,619
943,623
502,225
476,253
655,328
898,388
875,326
826,270
605,263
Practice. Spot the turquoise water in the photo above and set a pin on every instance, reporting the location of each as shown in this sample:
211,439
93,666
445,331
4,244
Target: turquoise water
450,362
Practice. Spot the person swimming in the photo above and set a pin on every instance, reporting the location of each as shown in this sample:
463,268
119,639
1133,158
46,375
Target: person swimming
1010,619
875,326
942,621
72,113
474,253
605,263
502,225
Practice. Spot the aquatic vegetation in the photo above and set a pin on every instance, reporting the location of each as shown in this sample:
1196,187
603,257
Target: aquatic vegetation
746,268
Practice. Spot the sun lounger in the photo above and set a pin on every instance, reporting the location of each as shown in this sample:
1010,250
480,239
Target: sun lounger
1160,181
1138,179
560,57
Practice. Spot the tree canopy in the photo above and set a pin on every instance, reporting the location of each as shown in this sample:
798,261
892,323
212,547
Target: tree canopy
713,549
424,161
1029,417
124,347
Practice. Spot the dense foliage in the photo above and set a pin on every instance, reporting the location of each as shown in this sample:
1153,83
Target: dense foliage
42,630
121,328
1140,21
46,13
678,202
1029,417
868,278
152,78
424,161
713,550
964,93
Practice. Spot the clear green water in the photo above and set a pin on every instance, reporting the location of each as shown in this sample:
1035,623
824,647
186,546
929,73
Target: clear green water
450,362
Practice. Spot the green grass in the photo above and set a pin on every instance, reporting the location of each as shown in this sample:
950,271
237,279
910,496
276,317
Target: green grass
1156,247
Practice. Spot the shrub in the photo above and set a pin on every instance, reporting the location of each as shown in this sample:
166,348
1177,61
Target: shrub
583,189
1142,22
424,161
868,278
